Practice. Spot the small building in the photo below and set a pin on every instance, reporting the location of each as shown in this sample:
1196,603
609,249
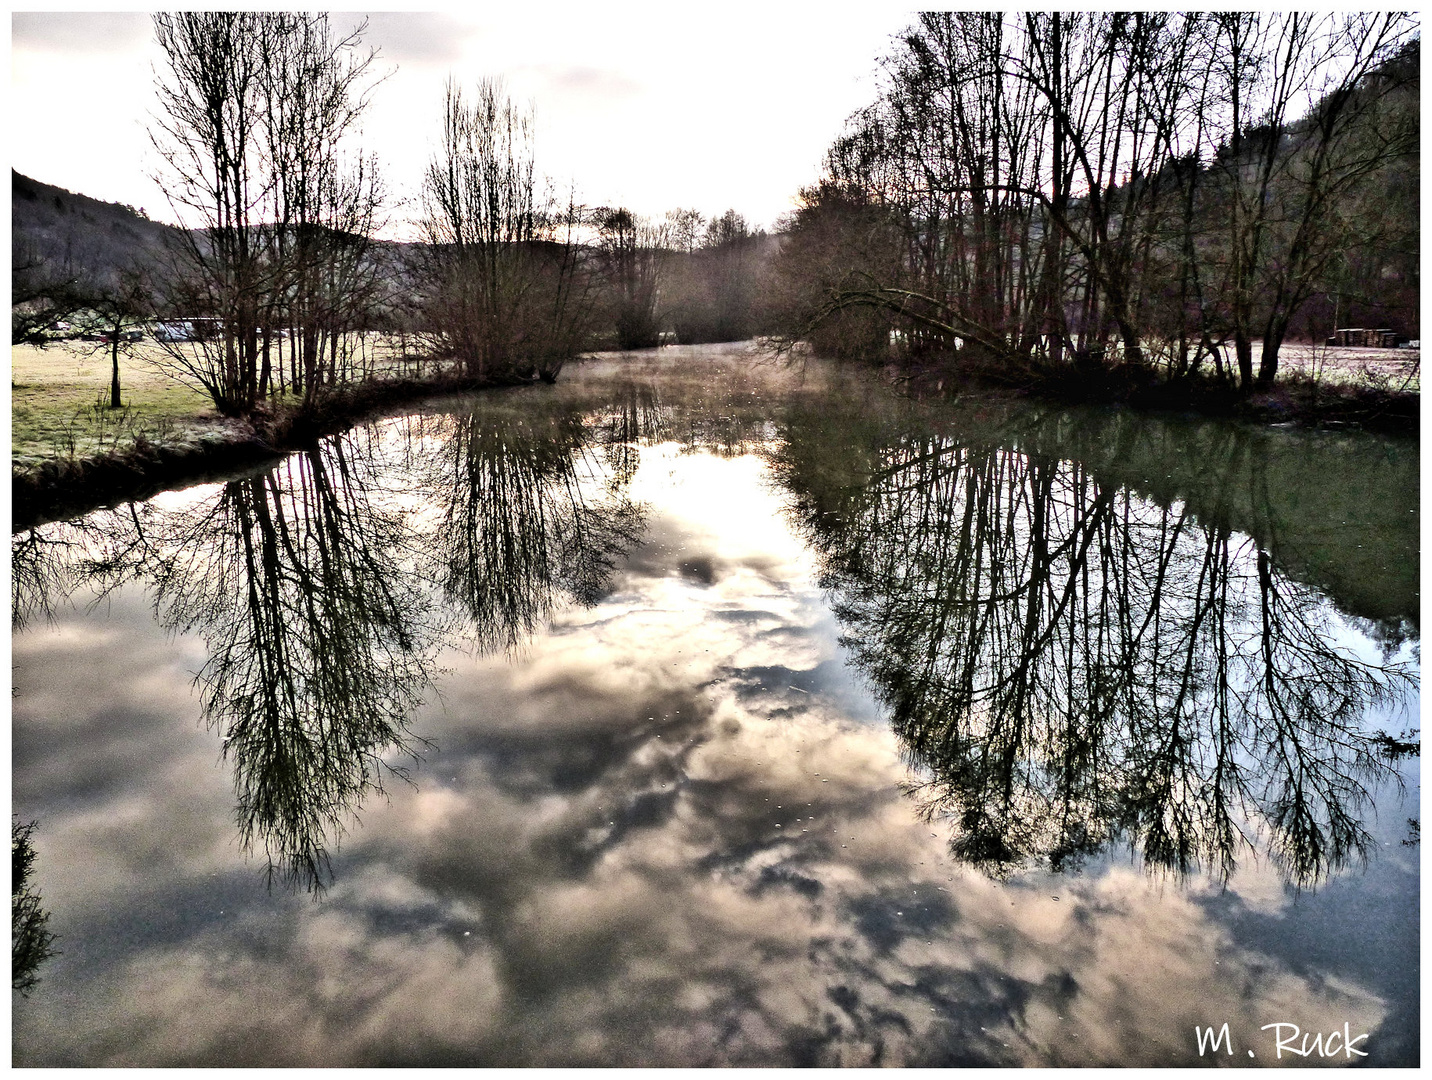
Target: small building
1381,338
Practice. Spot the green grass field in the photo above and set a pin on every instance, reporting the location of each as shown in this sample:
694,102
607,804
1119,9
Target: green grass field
59,402
60,398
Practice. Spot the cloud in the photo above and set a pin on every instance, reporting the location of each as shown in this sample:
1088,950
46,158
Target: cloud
589,81
94,31
418,37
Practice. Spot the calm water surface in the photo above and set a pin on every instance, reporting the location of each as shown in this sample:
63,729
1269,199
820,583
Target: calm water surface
693,713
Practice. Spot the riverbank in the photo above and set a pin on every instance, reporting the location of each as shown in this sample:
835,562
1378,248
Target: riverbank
205,448
167,436
1319,388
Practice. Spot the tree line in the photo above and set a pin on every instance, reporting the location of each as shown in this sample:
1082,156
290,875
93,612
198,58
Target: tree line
1149,189
1155,193
277,288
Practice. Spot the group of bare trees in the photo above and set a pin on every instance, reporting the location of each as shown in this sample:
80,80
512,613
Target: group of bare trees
278,275
1145,188
634,253
716,290
502,286
696,278
256,113
274,281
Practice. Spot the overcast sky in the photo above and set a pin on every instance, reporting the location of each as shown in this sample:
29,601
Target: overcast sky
650,106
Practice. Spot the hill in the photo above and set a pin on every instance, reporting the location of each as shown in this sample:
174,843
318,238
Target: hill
60,232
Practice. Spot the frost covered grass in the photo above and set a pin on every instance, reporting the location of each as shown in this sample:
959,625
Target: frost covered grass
1395,370
60,400
59,404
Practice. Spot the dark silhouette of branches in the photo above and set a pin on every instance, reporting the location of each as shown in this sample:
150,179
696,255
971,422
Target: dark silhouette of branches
505,292
31,942
255,108
1068,665
524,521
1106,189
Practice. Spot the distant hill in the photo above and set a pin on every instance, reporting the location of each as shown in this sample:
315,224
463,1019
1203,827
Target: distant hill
94,239
67,247
65,235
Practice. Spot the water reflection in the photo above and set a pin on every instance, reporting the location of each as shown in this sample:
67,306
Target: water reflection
314,587
31,942
1337,511
667,828
518,532
1069,664
317,650
44,570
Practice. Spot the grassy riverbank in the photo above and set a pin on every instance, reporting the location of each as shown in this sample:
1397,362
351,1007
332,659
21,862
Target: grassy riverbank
59,405
1318,386
71,452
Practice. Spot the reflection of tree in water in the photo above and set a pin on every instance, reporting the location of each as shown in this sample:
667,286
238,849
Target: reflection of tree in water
31,942
520,527
319,644
312,589
318,633
1071,664
42,571
634,416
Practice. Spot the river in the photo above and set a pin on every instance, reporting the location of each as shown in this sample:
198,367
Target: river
704,711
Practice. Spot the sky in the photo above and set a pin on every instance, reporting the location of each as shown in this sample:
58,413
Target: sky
651,106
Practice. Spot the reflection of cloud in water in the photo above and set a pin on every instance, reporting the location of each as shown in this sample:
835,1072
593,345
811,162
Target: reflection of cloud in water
94,726
707,935
639,845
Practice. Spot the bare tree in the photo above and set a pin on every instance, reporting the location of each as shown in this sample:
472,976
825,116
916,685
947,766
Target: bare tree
504,293
206,135
634,254
1122,188
43,292
254,108
324,207
115,317
683,228
1297,91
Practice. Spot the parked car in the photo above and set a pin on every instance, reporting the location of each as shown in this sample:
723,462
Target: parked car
174,331
188,330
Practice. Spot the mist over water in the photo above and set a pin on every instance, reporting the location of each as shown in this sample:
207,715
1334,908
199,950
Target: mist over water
702,712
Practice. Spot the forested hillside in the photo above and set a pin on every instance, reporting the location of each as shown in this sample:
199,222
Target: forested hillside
63,231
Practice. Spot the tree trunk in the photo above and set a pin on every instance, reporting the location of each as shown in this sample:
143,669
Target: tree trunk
1133,350
114,402
1272,343
265,365
1243,348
